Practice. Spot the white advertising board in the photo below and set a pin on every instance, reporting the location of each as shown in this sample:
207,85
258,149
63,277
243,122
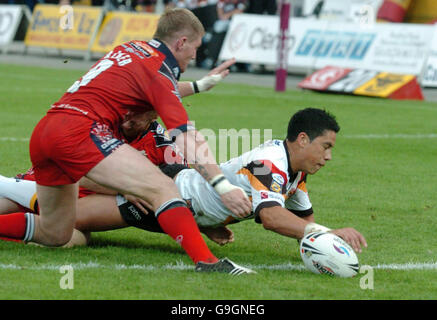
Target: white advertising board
314,44
10,18
429,77
344,10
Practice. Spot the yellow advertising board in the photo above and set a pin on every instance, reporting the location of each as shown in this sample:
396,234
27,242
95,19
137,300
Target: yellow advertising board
120,27
63,27
422,11
383,85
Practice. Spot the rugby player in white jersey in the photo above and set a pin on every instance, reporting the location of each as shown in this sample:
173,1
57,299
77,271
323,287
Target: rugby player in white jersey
273,175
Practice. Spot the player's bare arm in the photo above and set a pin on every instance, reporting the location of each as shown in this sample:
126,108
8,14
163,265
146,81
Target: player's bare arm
187,88
7,206
280,220
200,157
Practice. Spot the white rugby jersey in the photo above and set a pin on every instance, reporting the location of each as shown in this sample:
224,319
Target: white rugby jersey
265,175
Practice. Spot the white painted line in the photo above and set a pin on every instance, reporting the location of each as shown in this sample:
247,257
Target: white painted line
13,139
349,136
412,266
392,136
407,266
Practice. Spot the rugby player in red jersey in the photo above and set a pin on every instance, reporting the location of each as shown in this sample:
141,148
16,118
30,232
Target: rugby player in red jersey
143,133
78,138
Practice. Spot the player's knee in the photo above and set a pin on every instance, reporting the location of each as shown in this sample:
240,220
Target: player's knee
164,190
169,186
78,238
54,238
170,204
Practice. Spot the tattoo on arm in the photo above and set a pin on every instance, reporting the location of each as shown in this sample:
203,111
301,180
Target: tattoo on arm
203,172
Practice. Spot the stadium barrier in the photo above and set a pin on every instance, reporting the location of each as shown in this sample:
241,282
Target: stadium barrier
86,29
63,27
315,44
422,11
364,83
312,44
119,27
14,19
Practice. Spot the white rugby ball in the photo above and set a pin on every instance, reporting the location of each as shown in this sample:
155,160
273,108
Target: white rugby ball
326,253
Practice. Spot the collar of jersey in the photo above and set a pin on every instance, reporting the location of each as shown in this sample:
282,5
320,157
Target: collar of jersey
170,60
290,170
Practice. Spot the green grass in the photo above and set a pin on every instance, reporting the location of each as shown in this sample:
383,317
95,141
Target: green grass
383,187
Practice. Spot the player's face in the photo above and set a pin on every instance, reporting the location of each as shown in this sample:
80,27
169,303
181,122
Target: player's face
134,124
187,51
317,152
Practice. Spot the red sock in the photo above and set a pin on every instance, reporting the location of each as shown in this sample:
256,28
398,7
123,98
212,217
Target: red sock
13,225
179,224
10,239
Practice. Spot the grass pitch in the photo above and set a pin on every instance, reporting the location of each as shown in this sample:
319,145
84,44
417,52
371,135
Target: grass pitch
382,181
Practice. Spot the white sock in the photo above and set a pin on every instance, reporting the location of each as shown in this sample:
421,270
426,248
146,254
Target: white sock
22,192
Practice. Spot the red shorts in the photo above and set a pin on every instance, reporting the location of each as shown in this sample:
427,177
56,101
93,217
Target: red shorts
65,147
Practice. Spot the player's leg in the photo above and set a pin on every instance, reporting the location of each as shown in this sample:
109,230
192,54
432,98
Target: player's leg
8,206
53,227
22,192
132,173
98,212
55,223
13,222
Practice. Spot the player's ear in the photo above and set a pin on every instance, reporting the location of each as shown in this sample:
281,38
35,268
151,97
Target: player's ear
303,139
180,43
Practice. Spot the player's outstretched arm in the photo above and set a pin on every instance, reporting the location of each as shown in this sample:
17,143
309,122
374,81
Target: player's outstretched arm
198,154
281,221
187,88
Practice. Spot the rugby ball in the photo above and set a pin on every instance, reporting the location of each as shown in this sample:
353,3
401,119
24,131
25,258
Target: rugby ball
326,253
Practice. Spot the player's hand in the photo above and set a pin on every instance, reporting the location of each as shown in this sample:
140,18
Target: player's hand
223,69
214,76
351,236
138,202
238,202
220,235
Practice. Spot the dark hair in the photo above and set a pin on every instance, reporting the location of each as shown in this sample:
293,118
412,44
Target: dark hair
314,122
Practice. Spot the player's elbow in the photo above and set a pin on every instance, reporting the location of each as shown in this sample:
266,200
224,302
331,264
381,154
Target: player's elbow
268,222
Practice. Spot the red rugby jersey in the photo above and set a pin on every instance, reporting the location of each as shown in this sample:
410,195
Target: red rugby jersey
154,143
136,75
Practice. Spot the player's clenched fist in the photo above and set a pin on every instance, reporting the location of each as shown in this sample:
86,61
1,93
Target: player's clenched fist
237,201
233,197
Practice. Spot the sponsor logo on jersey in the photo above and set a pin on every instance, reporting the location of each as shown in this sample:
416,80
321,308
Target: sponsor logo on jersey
278,178
134,212
154,43
144,49
275,187
103,139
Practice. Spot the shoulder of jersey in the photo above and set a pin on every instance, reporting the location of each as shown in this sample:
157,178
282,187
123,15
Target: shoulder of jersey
143,48
273,155
272,150
160,135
